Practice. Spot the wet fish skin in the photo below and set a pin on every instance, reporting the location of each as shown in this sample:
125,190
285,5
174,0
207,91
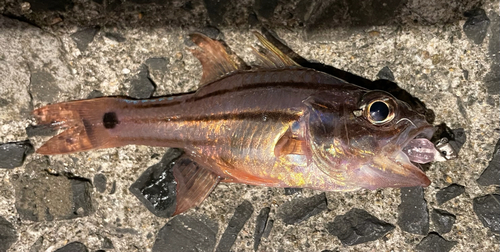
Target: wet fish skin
286,126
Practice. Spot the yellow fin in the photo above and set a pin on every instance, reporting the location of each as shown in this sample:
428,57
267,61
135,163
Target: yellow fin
214,58
270,55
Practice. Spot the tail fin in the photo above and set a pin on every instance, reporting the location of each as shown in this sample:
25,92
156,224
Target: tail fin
86,124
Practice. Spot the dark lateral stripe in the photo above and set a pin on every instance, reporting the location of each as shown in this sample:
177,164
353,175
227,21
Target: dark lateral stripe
251,116
161,141
297,85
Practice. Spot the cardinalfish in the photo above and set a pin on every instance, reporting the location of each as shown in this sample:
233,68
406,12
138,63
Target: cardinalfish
276,125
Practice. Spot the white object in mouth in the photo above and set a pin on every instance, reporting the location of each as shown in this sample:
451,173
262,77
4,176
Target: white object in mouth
421,150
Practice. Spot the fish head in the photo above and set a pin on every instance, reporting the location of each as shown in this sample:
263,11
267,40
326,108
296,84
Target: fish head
358,139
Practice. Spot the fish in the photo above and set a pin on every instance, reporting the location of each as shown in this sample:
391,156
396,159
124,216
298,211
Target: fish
278,124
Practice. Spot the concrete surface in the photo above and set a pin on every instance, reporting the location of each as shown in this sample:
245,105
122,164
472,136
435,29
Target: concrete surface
423,43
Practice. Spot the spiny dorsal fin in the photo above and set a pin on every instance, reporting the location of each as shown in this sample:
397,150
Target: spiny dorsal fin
214,58
270,55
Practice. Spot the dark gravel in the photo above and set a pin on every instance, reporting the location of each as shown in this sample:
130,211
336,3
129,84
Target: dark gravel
141,87
84,37
187,233
73,247
491,175
435,243
413,213
240,217
12,155
156,187
260,226
443,220
448,193
487,209
100,182
8,234
301,209
476,26
358,226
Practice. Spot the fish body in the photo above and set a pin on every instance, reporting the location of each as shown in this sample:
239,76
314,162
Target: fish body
278,126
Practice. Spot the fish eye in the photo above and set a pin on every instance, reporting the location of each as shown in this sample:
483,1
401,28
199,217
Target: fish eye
379,112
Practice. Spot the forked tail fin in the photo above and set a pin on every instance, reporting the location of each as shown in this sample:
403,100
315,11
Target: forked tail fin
86,125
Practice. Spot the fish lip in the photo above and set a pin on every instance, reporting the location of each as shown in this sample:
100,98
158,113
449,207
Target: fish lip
422,132
400,157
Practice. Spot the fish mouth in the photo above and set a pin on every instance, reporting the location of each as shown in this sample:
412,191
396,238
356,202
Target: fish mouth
417,148
393,167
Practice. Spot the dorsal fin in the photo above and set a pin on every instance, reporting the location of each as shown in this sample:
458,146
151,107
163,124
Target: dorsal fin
270,55
214,58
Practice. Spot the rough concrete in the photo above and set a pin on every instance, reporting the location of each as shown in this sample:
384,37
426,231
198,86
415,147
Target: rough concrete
421,42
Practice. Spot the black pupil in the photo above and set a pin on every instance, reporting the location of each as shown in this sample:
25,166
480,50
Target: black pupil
379,111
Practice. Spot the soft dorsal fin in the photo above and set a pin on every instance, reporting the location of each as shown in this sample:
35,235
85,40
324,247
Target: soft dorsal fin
214,58
194,183
270,55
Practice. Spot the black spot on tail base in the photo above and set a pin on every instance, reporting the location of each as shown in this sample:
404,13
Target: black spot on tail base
110,120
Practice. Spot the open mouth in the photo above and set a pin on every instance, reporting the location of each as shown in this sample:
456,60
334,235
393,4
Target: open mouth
419,149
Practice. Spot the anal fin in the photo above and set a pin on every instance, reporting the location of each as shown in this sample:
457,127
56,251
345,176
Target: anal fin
194,183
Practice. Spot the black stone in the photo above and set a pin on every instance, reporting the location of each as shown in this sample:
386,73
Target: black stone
50,5
115,37
40,130
240,217
13,154
265,8
491,175
81,189
328,15
3,102
449,193
37,245
301,209
141,87
291,191
73,247
386,74
476,26
157,70
487,209
84,37
458,139
443,220
413,215
63,197
156,187
435,243
492,78
113,188
8,234
95,94
43,86
260,226
358,226
269,228
107,243
100,182
186,233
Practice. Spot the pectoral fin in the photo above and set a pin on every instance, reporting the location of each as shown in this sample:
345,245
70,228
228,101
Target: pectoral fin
194,183
293,147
